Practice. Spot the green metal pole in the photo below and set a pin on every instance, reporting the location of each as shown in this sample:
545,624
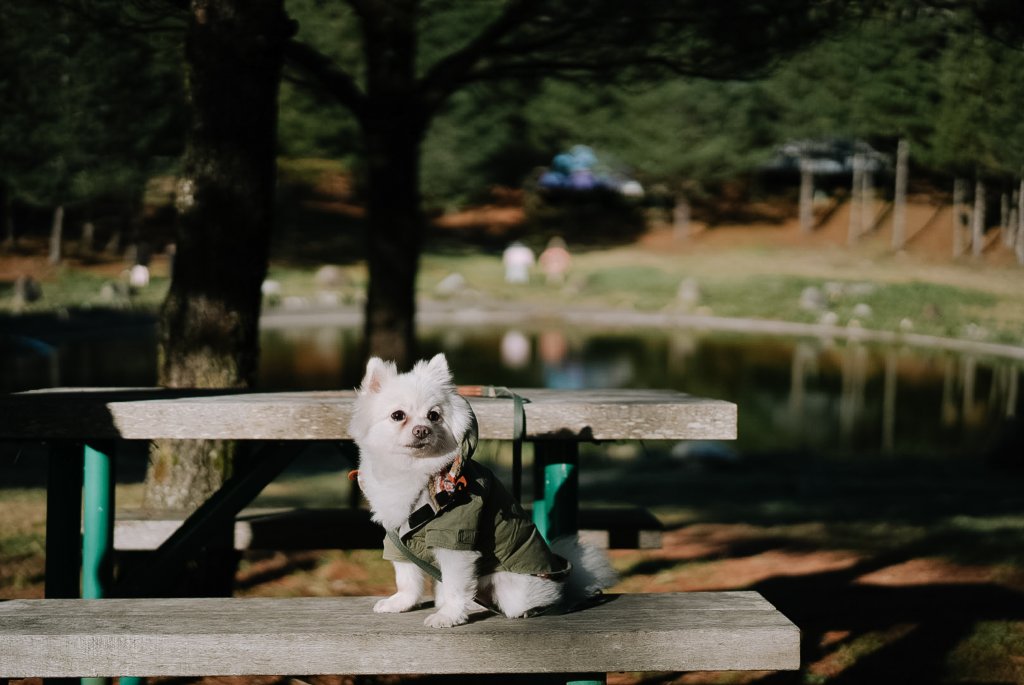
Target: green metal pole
556,510
561,492
98,533
556,506
97,528
98,523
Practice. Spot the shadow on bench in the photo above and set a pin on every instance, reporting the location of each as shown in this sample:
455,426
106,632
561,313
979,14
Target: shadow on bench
341,635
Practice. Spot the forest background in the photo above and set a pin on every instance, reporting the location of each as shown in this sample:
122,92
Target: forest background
96,115
92,109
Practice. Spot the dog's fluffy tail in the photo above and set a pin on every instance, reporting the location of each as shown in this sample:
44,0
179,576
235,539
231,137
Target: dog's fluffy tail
591,570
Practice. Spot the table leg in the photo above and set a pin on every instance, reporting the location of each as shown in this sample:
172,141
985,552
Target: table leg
98,515
98,527
556,512
556,501
63,571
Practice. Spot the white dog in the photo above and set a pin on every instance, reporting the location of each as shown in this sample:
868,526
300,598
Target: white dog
446,513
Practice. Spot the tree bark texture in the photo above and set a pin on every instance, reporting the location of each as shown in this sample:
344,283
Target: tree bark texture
208,331
393,127
394,242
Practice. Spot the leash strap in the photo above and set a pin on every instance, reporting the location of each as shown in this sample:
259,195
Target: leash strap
518,427
425,566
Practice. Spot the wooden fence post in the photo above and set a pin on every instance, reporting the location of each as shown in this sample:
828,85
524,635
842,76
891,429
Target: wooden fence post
978,223
899,208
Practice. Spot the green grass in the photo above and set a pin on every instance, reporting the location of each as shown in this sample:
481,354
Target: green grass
603,281
72,288
608,279
991,652
962,299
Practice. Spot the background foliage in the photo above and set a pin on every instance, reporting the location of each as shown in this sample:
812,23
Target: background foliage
91,108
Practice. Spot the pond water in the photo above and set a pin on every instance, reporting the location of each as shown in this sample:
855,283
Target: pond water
794,395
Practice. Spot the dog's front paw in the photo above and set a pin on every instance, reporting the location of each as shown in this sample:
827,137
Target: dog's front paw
443,619
395,604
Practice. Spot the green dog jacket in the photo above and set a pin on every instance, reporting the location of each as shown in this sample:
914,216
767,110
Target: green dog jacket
482,517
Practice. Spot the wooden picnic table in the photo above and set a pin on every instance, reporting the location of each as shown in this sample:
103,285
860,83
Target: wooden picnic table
81,425
66,637
150,414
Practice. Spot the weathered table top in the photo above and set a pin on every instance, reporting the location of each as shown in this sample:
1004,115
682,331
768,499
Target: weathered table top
342,635
149,413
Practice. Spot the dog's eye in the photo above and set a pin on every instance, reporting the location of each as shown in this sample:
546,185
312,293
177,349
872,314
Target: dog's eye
434,415
398,415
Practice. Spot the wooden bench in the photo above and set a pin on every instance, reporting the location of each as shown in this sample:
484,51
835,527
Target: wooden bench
341,635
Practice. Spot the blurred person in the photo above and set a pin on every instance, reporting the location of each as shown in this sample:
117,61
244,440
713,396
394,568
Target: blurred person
555,261
518,260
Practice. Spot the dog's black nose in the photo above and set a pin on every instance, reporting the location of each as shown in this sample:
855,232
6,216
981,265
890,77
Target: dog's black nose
421,432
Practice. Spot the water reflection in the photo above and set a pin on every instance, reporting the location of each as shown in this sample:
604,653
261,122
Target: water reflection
870,401
515,350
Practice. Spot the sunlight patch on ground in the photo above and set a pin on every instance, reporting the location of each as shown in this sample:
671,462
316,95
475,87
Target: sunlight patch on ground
928,571
849,652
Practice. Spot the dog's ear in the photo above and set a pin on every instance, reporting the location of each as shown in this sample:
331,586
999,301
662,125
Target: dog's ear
377,371
437,369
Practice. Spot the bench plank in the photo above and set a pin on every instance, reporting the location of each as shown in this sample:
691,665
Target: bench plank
291,529
342,635
149,414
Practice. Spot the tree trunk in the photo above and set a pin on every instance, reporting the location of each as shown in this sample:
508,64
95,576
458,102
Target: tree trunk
867,196
395,228
393,130
1012,220
1004,219
978,222
208,331
899,202
959,213
806,197
856,204
7,207
1020,222
56,237
681,217
87,239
